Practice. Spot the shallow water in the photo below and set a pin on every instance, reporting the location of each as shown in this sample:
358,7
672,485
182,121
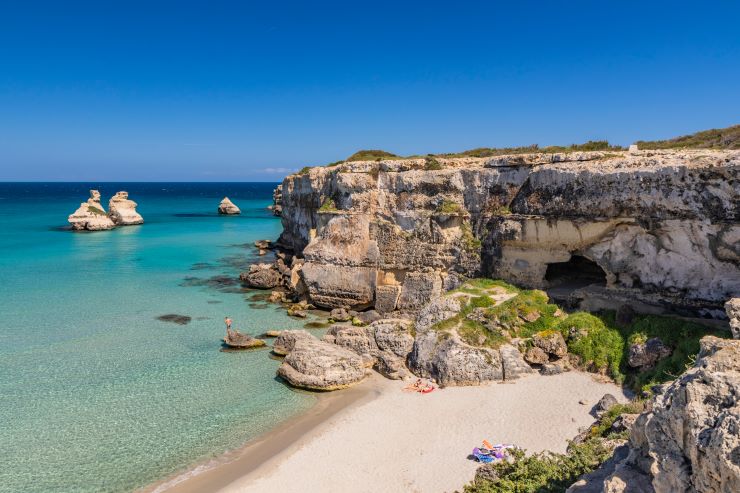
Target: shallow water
96,393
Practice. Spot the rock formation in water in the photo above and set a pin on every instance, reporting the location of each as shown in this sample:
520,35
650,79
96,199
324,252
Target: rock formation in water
316,365
688,440
123,211
652,229
91,216
227,207
237,340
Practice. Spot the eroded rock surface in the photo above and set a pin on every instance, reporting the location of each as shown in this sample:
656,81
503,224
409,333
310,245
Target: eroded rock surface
318,365
689,439
91,216
227,207
122,210
261,276
655,226
732,307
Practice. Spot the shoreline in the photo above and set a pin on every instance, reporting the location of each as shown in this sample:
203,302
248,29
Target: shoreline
219,472
420,442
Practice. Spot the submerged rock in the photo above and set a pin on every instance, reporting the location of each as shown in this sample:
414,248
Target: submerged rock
227,207
318,365
91,216
237,340
175,318
123,211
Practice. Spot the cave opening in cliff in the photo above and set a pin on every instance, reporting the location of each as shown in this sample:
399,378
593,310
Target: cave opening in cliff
575,273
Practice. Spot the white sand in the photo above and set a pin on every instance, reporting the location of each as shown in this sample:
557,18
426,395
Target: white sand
402,442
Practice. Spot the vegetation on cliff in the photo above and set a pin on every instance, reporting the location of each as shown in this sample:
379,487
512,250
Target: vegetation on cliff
371,155
716,138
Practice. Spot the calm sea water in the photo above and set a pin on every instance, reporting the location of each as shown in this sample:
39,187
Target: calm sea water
96,394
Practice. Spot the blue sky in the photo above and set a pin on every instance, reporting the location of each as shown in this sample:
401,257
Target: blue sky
247,91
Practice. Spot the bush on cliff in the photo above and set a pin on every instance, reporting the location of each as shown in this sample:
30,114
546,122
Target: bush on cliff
716,138
371,155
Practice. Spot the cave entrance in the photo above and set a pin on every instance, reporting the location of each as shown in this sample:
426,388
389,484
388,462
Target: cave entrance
575,273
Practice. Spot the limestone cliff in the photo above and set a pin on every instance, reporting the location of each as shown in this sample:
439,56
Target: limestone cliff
660,227
123,211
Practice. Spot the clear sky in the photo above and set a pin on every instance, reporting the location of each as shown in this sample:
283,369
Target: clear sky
243,91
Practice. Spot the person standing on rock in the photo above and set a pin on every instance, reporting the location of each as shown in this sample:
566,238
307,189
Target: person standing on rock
227,321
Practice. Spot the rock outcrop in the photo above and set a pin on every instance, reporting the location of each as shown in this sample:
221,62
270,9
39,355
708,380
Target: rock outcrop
318,365
237,340
91,216
287,339
654,229
732,307
227,207
122,211
688,441
261,276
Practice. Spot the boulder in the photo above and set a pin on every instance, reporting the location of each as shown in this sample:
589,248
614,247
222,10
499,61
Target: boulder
536,356
263,244
551,369
90,216
360,340
122,211
340,315
227,207
606,402
261,276
286,341
624,422
276,297
449,361
391,366
513,362
237,340
368,317
318,365
386,298
732,307
645,355
551,342
394,336
436,311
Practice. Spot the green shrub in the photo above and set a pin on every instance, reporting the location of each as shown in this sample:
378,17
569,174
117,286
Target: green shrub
602,429
431,164
95,210
716,138
600,347
328,206
468,239
304,170
543,472
449,207
370,155
511,313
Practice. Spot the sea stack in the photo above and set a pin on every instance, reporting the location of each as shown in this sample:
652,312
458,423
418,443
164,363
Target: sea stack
123,211
91,216
227,207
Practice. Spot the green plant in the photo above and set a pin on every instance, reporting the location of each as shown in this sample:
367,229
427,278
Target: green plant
716,138
599,346
543,472
602,428
468,239
95,210
370,155
304,170
328,205
449,207
431,164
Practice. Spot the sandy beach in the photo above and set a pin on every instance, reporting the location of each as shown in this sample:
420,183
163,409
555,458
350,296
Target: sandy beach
375,437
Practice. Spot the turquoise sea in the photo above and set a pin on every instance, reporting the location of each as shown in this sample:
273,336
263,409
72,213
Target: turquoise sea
96,394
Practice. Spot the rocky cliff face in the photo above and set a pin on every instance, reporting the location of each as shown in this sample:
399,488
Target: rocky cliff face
91,216
123,211
656,226
689,439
